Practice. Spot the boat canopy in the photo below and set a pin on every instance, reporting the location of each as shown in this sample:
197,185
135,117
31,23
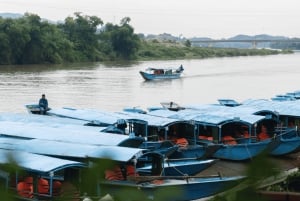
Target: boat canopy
288,108
81,135
211,114
35,162
113,117
46,119
152,120
86,114
70,150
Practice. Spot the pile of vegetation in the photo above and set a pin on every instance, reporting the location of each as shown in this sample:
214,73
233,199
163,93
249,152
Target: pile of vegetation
31,40
290,184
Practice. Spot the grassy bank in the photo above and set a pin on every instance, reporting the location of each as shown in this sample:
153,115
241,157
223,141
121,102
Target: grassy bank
152,50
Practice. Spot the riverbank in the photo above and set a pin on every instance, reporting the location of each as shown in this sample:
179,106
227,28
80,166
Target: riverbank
256,174
155,50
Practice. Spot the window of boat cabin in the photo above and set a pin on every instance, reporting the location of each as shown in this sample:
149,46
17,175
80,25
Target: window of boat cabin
268,126
4,179
182,130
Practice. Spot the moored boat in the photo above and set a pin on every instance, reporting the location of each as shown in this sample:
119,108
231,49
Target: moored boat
172,167
41,177
238,132
167,188
287,132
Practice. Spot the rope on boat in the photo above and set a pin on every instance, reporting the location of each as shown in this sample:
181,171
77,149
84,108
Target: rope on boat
183,174
248,151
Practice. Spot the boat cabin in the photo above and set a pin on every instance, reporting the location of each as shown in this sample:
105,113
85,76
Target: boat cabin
36,177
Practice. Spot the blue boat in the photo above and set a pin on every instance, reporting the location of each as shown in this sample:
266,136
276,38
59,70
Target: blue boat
288,144
162,73
168,188
161,187
37,177
288,122
172,167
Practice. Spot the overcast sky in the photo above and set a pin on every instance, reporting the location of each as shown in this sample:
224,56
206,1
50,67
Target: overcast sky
202,18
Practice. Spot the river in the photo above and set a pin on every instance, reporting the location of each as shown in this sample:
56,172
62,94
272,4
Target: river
113,86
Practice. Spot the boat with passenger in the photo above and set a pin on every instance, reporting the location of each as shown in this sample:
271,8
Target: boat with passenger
162,73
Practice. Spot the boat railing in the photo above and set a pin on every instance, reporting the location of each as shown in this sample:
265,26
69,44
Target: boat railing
286,132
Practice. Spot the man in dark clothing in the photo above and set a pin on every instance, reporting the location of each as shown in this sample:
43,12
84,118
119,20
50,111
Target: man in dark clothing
43,103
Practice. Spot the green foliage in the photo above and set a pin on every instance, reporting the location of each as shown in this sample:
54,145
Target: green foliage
121,39
188,43
259,169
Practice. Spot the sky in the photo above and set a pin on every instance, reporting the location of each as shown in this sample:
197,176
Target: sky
216,19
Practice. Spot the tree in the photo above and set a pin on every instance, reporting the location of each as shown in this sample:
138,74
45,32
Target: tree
81,31
188,43
122,39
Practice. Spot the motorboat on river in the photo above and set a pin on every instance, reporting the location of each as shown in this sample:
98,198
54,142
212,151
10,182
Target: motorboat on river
162,73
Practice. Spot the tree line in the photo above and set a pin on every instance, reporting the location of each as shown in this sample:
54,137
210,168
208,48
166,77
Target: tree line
82,38
31,40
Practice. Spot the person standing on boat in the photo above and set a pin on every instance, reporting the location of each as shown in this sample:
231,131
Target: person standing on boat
43,103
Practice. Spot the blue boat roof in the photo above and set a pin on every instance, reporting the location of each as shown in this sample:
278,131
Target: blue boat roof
85,114
71,150
35,162
288,108
112,117
46,119
152,120
74,134
211,114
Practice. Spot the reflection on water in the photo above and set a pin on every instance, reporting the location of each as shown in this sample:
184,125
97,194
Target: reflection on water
113,86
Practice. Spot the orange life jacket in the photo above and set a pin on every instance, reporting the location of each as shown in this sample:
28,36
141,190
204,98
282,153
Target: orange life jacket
25,188
130,171
263,136
115,174
43,186
56,188
182,142
228,140
203,137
